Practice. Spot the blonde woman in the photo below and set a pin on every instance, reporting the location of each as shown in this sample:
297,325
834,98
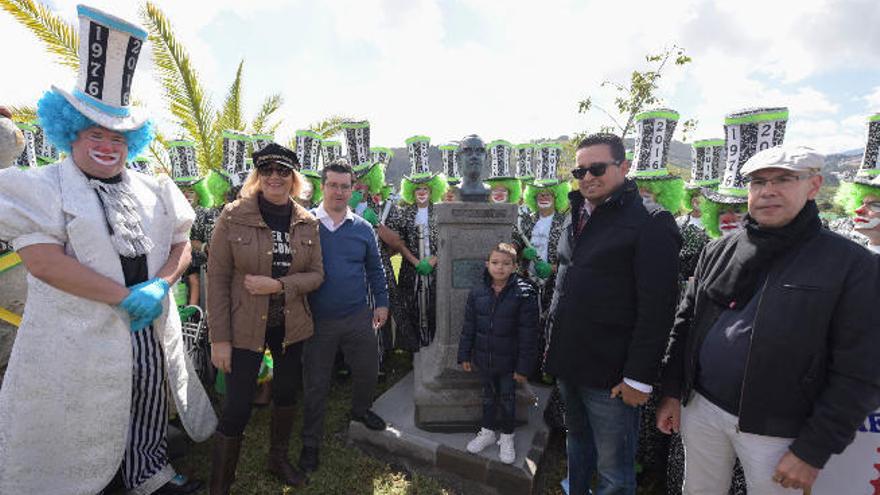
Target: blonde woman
265,258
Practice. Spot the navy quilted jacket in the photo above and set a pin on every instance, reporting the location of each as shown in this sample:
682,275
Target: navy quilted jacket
500,333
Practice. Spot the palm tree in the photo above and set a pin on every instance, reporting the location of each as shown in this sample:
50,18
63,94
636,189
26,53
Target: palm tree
184,93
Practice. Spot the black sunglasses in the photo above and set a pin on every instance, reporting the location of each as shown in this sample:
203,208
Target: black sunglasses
266,171
596,170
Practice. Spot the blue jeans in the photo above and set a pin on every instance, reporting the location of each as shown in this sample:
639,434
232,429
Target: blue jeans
499,399
603,435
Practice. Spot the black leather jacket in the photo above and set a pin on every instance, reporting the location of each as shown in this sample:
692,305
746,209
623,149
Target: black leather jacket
813,367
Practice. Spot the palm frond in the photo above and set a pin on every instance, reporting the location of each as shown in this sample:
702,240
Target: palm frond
329,127
230,116
183,90
59,37
158,149
23,113
270,106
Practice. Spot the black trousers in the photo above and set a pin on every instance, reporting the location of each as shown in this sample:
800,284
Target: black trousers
499,401
241,383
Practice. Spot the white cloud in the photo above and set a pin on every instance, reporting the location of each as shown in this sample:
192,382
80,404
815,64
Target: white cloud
519,68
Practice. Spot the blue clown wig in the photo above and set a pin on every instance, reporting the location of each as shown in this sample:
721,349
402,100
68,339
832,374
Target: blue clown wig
62,123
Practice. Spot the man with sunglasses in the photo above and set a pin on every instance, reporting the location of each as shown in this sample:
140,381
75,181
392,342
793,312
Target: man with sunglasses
613,311
775,346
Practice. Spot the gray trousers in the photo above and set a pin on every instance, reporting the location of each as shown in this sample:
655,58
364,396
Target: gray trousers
355,335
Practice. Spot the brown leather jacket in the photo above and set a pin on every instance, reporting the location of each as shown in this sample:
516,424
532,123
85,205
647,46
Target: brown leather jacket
242,245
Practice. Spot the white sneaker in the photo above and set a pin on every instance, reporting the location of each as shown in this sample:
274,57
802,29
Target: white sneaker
507,454
483,439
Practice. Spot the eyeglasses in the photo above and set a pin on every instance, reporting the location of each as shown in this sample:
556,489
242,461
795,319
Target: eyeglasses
338,187
874,206
596,170
781,182
267,171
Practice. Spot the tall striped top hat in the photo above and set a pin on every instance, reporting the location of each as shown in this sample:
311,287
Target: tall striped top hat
449,159
234,155
184,167
499,159
654,131
330,151
381,155
870,166
747,132
46,152
357,144
545,173
260,141
308,150
28,156
706,159
109,48
524,153
418,148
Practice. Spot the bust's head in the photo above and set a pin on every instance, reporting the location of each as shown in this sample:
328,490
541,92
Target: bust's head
471,156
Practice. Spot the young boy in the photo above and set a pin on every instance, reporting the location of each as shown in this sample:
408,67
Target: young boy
499,340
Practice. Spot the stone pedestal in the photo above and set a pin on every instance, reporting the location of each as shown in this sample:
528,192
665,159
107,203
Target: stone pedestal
447,399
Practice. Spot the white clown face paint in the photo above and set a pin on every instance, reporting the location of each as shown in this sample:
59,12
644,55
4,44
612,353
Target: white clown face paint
867,218
545,200
422,195
99,152
648,198
730,221
499,194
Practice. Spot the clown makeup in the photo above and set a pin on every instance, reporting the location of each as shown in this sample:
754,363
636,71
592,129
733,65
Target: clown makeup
363,188
867,216
648,198
545,201
306,192
99,152
449,195
422,195
730,221
499,194
190,195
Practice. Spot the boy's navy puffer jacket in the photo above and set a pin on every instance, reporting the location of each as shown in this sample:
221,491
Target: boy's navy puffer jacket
500,333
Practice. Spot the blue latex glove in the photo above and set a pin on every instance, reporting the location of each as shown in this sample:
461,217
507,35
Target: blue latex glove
145,299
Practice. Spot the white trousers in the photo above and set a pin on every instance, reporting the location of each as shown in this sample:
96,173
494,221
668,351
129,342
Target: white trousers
712,444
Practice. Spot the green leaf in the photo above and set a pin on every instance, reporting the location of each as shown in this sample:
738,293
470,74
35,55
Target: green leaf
181,86
329,127
270,106
23,113
231,116
59,37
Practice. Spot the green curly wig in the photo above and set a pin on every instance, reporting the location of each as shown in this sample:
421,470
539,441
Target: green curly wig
514,188
710,212
669,193
374,179
317,193
437,184
560,192
850,195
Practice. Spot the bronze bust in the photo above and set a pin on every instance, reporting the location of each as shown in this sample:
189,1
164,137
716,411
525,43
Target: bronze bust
471,156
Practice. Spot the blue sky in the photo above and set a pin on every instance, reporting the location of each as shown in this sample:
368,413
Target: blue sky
510,70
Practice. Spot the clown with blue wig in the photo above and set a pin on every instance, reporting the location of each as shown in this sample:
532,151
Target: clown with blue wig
102,244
